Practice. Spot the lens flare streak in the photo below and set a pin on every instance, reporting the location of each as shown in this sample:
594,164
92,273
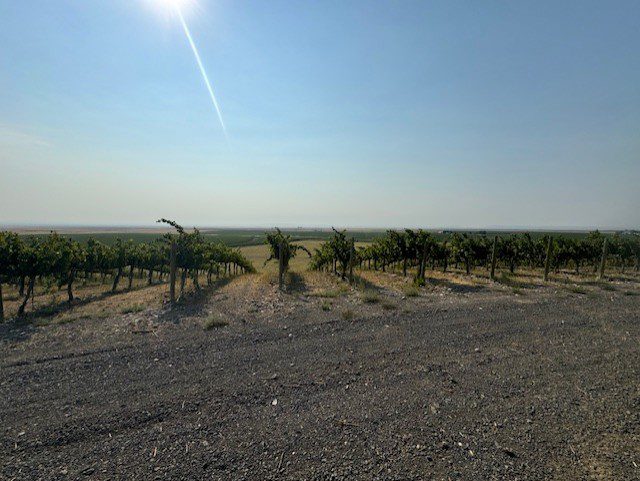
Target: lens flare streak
205,77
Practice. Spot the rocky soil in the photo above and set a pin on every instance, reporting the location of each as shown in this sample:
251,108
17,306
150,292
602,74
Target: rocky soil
472,385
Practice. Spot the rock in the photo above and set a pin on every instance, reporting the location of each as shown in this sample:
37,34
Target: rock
509,452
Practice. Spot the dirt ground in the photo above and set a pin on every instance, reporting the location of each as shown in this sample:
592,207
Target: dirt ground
465,379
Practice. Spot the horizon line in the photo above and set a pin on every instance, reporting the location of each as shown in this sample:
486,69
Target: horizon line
284,226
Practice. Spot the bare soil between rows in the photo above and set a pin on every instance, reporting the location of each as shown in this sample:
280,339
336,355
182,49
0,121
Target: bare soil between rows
479,384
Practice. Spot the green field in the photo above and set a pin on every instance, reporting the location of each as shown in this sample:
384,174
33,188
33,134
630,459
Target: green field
230,237
253,237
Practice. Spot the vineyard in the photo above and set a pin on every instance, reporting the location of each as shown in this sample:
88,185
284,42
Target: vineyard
51,261
419,250
55,260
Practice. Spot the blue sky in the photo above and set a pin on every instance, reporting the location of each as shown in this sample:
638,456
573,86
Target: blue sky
350,113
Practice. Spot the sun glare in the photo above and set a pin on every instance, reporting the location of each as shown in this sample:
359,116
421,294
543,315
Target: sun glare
170,7
177,10
172,3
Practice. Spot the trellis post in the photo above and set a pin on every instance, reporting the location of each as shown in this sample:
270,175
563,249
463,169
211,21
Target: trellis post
494,257
547,259
603,261
172,271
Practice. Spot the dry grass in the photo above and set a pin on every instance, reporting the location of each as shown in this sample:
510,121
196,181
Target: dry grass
214,321
92,299
332,292
370,296
388,306
576,290
132,309
348,315
258,254
411,291
66,319
395,280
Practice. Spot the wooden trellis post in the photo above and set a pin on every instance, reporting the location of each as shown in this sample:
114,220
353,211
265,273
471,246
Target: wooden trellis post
494,257
352,257
547,259
603,261
281,255
172,271
423,262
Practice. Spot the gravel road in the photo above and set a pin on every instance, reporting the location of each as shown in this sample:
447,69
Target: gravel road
469,386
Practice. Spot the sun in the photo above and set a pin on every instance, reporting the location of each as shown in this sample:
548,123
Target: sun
172,3
170,7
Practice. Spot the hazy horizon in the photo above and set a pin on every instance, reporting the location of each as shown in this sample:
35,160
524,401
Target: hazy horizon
378,114
284,226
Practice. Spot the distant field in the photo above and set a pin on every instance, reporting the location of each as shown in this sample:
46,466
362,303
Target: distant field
230,237
257,254
254,237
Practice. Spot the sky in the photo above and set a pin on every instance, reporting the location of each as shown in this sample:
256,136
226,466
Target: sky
348,113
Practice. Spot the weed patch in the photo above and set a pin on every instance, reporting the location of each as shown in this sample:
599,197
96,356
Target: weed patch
348,315
132,309
370,297
331,293
411,291
577,290
214,322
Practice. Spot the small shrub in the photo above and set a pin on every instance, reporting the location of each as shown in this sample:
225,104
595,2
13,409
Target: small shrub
49,310
42,322
331,293
348,315
326,306
67,320
411,291
607,287
370,297
132,309
388,306
517,291
631,293
268,278
214,322
577,290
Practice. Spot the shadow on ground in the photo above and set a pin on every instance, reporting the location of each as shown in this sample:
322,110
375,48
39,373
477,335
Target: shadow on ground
50,310
295,283
16,330
192,302
454,286
365,284
506,280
